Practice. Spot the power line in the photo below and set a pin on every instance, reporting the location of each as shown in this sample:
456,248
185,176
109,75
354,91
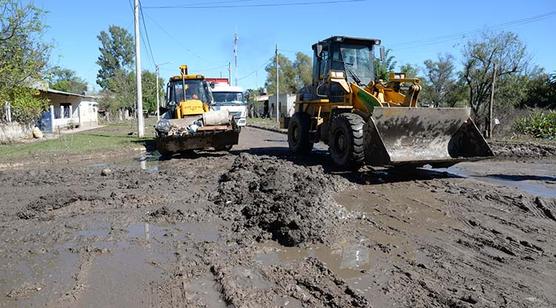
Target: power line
258,69
252,5
146,34
174,38
457,36
220,2
210,69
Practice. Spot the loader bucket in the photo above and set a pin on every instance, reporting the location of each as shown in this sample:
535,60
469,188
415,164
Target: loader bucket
208,137
418,136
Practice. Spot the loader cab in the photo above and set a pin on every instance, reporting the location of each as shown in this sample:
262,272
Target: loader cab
352,56
188,95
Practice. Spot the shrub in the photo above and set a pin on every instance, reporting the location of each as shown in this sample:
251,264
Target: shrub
538,124
27,105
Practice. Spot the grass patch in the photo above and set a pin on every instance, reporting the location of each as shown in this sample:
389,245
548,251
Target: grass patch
112,137
263,122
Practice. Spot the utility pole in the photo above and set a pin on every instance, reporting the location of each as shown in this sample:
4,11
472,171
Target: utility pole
139,109
157,93
229,73
277,88
491,104
157,68
235,58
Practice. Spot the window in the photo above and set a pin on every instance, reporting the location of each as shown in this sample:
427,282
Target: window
194,89
228,98
323,70
358,62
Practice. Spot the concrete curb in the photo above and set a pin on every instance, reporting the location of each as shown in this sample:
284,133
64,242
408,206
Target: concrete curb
275,130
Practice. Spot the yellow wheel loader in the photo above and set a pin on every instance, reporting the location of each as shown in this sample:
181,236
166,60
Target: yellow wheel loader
365,121
188,122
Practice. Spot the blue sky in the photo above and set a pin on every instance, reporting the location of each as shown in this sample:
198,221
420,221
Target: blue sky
202,38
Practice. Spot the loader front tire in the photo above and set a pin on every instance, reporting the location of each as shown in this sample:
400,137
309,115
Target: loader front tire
299,140
346,140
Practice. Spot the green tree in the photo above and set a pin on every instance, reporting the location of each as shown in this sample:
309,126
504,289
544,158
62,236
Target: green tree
116,54
508,53
540,91
303,70
441,87
286,72
123,92
383,68
149,90
23,58
409,70
64,79
120,92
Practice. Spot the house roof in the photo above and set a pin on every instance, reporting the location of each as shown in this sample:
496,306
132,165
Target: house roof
67,93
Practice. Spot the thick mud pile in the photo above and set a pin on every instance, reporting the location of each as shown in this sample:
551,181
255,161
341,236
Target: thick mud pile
292,203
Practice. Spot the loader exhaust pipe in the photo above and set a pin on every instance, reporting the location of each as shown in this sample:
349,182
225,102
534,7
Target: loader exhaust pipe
418,136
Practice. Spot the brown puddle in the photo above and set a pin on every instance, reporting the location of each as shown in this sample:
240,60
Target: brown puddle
347,260
101,266
538,179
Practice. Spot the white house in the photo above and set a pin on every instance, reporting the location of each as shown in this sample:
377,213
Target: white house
68,110
286,105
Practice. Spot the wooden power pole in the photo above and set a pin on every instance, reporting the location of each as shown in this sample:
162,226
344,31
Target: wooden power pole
491,104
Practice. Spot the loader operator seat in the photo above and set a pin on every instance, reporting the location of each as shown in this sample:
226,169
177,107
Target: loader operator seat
336,93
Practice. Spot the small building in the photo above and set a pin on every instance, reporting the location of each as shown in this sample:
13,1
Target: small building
68,110
286,105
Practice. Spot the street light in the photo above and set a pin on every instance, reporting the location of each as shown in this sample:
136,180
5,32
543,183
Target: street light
157,68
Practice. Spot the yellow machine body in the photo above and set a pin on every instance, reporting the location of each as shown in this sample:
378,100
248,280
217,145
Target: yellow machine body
189,98
369,121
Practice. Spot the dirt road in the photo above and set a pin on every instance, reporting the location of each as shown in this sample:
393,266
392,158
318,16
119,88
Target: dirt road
257,228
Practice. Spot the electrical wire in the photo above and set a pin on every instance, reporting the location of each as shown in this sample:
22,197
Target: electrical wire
258,69
252,5
220,2
147,34
174,38
456,36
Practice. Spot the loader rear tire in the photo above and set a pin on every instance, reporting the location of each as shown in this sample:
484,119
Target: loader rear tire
299,140
346,140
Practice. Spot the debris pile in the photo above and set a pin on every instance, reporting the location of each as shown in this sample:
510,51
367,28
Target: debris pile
292,203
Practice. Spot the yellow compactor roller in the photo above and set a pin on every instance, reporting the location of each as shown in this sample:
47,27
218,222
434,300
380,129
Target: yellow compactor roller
365,121
189,123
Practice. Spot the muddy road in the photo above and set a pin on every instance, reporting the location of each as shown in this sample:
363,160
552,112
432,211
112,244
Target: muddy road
257,228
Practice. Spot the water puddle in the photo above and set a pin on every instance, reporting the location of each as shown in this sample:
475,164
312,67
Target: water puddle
184,231
94,233
206,290
347,260
535,180
149,162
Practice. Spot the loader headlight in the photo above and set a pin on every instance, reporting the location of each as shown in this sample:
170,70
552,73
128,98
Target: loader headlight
163,126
